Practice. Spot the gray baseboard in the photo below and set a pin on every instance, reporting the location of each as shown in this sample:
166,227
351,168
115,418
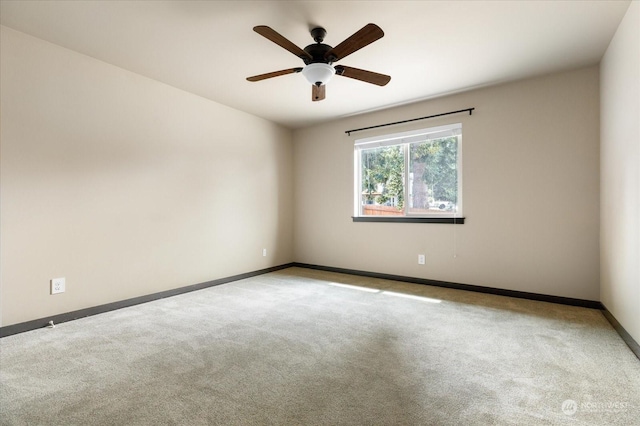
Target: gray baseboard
69,316
592,304
628,339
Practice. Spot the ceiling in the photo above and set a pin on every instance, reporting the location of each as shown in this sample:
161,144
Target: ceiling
430,48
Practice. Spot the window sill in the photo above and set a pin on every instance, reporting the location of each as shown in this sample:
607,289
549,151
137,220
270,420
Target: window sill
406,219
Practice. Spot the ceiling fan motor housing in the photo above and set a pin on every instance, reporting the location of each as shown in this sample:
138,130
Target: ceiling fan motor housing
317,52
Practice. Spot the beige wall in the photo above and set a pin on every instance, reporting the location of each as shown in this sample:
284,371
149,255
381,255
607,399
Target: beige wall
531,192
620,174
126,186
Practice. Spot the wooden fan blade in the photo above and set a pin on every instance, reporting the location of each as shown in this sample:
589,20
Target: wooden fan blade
363,75
318,92
365,36
273,74
281,41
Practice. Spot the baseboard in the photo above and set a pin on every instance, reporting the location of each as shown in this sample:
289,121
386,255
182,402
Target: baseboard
628,339
69,316
592,304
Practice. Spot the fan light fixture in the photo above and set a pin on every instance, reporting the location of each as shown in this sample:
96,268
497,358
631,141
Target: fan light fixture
318,73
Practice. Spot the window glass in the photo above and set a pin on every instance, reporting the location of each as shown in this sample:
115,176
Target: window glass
432,186
433,176
383,181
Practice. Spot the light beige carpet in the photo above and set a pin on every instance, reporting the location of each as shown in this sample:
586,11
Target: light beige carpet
298,347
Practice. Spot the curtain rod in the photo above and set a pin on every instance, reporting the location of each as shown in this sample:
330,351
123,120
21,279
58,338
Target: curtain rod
348,132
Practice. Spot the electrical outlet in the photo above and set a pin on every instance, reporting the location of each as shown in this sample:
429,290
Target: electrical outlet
264,252
57,285
421,259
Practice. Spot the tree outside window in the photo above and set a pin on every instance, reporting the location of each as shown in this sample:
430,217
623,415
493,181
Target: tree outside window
432,186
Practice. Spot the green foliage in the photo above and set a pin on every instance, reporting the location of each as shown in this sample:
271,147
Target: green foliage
383,171
440,172
383,168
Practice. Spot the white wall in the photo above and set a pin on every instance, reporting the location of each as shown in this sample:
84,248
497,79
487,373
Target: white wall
620,174
531,192
126,186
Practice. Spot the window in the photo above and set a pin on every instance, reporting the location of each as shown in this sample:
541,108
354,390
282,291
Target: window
410,176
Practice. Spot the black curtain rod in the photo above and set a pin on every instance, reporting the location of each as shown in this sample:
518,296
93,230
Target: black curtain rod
348,132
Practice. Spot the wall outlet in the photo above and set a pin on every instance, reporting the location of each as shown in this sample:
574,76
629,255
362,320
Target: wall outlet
421,259
57,285
264,252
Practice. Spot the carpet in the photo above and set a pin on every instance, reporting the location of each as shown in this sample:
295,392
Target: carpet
308,347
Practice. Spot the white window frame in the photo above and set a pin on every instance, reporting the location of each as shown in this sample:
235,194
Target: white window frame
405,139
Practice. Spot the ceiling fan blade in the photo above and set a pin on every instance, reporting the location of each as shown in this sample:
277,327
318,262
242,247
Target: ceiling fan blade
281,41
274,74
365,36
318,92
363,75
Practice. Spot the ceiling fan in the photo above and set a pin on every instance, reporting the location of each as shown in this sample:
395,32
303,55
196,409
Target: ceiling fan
319,57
